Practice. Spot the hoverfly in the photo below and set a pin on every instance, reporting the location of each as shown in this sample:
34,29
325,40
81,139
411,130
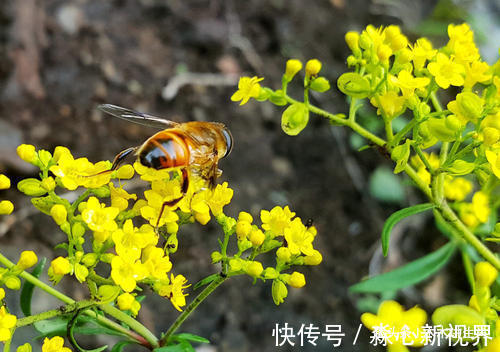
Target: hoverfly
193,147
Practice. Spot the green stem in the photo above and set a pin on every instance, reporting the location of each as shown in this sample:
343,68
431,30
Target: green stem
6,346
450,216
398,136
70,308
423,158
131,322
191,307
68,300
352,109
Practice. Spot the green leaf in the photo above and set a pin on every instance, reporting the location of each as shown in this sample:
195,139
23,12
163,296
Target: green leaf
408,274
28,288
120,345
52,327
189,337
205,281
397,217
181,347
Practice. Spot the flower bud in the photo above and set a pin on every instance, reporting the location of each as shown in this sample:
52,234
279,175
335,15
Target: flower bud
352,40
257,237
491,136
313,67
485,274
279,292
293,66
351,61
254,268
470,105
4,182
81,272
44,156
216,257
235,264
60,266
399,42
102,192
48,184
78,230
320,84
108,293
27,260
404,56
125,172
89,259
59,214
27,152
172,227
24,348
365,42
452,122
270,273
6,207
243,228
2,293
314,259
244,216
31,187
297,280
12,282
125,301
284,254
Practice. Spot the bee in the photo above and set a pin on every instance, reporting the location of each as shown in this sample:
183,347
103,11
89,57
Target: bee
193,147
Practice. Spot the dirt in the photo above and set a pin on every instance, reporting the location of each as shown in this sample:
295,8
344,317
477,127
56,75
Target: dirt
59,59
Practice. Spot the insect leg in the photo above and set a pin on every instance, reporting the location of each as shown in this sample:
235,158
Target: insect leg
184,189
121,157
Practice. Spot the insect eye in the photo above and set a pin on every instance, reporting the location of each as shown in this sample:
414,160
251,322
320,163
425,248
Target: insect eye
229,141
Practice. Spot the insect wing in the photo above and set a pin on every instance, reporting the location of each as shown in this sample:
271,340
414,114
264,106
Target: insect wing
137,117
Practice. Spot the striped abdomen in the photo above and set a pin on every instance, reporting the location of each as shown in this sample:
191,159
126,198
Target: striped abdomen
166,149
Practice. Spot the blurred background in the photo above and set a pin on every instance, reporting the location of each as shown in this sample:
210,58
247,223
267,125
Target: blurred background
182,59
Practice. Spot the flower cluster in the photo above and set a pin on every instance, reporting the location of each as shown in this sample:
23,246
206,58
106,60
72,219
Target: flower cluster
132,238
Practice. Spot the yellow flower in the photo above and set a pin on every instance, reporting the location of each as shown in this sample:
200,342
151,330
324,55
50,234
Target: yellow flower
156,262
457,188
422,51
4,182
475,72
55,344
390,103
126,273
446,72
298,238
120,197
243,228
276,220
98,217
408,83
221,196
391,317
6,207
247,88
125,301
480,205
7,322
257,237
174,291
129,240
27,260
80,172
297,280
